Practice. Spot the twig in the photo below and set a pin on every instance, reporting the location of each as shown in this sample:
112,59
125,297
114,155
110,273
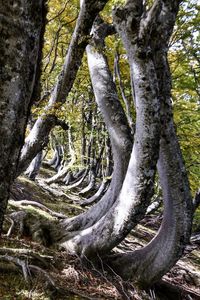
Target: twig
38,269
106,279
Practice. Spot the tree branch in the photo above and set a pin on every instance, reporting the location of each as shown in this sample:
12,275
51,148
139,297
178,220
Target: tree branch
150,20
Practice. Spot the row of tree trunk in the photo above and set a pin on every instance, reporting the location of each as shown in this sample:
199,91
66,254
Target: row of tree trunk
145,33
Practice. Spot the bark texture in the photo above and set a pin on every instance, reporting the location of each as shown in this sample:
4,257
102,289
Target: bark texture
150,263
145,36
130,203
117,125
20,24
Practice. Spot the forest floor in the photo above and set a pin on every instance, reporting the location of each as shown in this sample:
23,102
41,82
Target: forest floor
30,270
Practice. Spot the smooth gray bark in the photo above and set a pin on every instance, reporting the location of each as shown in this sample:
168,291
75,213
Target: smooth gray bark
91,183
146,46
34,166
97,196
106,180
149,264
38,137
131,202
20,28
121,142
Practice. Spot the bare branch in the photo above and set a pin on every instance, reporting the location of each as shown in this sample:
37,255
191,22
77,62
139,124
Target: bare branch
60,12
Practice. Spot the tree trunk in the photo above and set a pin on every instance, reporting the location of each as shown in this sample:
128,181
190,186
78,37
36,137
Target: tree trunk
91,183
20,26
34,166
117,125
106,180
149,264
38,137
97,195
67,166
137,189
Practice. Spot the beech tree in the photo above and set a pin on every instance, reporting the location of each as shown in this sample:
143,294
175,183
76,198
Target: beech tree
21,26
145,30
145,33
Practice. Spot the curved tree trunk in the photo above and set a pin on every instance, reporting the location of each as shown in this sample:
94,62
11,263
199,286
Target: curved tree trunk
106,181
34,166
117,125
126,101
151,78
20,38
137,189
38,137
53,160
54,144
79,181
150,263
97,195
91,183
67,166
69,177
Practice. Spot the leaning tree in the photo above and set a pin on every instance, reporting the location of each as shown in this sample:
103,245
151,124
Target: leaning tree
145,33
38,137
21,26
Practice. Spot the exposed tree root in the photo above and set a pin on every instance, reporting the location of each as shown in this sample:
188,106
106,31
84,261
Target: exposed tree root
29,269
53,191
18,262
44,260
11,226
39,205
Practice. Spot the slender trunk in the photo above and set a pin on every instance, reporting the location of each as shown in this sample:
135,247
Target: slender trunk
62,172
54,158
59,157
126,101
69,177
83,136
79,181
91,184
117,125
97,195
106,178
34,166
